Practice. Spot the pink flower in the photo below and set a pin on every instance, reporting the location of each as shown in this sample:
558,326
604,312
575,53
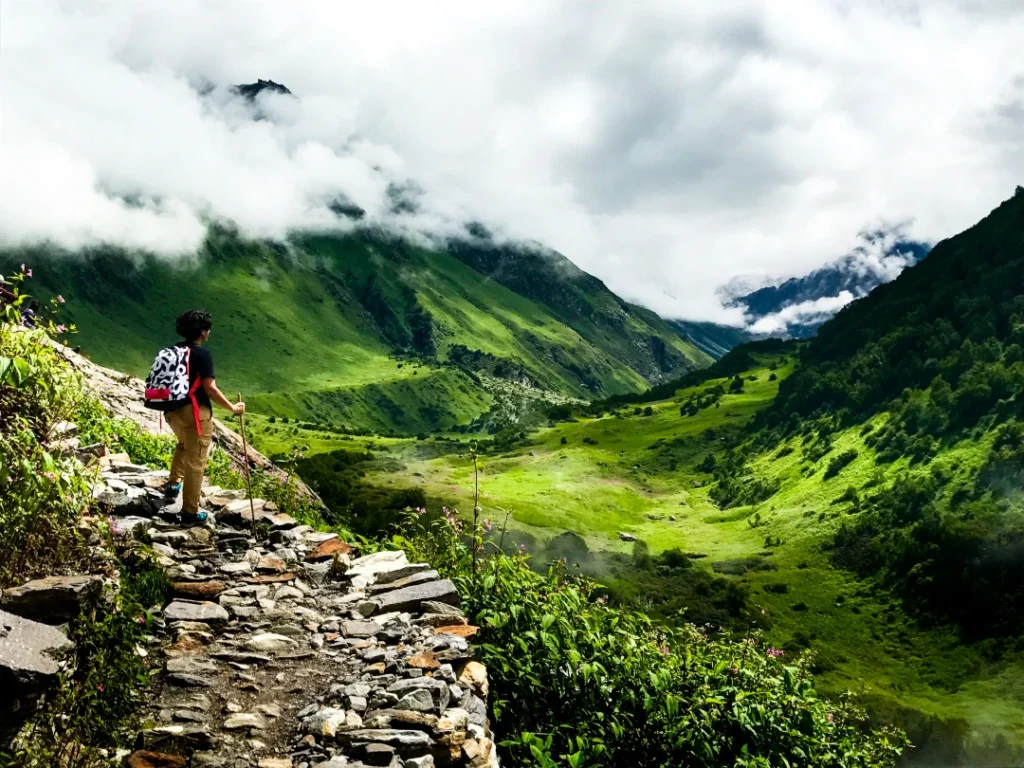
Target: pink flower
775,652
488,525
61,328
664,650
421,511
60,299
100,688
26,272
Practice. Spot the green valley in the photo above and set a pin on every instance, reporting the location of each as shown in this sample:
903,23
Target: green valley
855,494
363,331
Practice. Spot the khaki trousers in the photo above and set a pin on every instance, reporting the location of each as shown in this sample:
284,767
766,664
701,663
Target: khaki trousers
191,453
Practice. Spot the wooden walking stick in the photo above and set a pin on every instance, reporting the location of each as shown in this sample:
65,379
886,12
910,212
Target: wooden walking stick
245,463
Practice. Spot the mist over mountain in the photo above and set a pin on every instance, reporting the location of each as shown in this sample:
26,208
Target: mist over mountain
797,307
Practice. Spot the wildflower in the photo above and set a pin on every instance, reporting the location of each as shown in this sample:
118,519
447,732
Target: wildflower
140,619
61,328
775,652
488,525
664,650
762,611
421,511
60,299
830,717
522,548
100,687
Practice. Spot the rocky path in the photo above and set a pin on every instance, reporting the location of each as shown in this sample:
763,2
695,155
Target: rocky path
290,652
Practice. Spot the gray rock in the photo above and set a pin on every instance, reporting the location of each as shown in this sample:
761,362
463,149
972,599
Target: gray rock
410,599
387,577
177,739
243,720
627,536
417,701
402,740
207,613
53,600
431,606
427,761
28,666
407,581
437,688
131,503
189,681
268,641
360,628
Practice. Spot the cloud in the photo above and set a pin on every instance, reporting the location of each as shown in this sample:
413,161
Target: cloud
802,313
664,147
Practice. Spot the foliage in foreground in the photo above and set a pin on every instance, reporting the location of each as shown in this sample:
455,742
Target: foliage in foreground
576,682
43,491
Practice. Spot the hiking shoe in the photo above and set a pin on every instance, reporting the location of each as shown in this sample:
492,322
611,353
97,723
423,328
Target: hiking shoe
171,491
187,518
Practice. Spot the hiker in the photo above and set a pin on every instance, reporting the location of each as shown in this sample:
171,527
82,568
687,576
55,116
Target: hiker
28,315
189,408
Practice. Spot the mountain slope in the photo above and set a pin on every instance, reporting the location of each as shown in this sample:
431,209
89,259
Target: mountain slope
797,307
315,327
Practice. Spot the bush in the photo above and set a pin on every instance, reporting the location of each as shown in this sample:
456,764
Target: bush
43,492
839,462
576,682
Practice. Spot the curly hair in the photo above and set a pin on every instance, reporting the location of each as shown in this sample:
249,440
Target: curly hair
191,324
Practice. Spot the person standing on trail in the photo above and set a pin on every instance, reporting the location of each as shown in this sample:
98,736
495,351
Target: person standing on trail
192,419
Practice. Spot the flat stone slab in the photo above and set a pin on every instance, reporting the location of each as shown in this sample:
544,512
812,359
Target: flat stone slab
360,628
207,613
411,599
382,586
53,600
28,650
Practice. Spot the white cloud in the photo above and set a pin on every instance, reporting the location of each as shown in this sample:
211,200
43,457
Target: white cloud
805,312
664,147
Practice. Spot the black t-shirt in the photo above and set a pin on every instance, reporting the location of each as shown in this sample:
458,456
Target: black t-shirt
200,366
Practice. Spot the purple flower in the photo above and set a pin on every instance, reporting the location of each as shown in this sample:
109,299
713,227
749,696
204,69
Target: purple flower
775,652
100,688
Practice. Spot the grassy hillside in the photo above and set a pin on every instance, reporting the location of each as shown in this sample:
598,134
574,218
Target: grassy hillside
359,331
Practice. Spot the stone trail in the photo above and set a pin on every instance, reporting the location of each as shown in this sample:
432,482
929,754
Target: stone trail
289,652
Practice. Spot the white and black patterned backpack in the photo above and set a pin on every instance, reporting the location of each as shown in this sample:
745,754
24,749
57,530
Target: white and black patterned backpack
167,385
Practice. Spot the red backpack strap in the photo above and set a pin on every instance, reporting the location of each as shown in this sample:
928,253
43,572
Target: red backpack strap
192,389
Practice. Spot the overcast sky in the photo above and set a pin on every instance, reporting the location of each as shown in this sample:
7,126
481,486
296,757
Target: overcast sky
666,147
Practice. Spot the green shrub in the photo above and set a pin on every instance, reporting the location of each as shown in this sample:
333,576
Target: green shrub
839,462
43,492
579,683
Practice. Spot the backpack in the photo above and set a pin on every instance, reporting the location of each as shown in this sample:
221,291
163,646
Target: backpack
167,387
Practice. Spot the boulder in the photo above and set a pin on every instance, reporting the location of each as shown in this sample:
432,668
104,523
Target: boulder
627,536
28,666
53,600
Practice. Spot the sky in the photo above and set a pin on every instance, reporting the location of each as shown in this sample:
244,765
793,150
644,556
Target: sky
666,147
